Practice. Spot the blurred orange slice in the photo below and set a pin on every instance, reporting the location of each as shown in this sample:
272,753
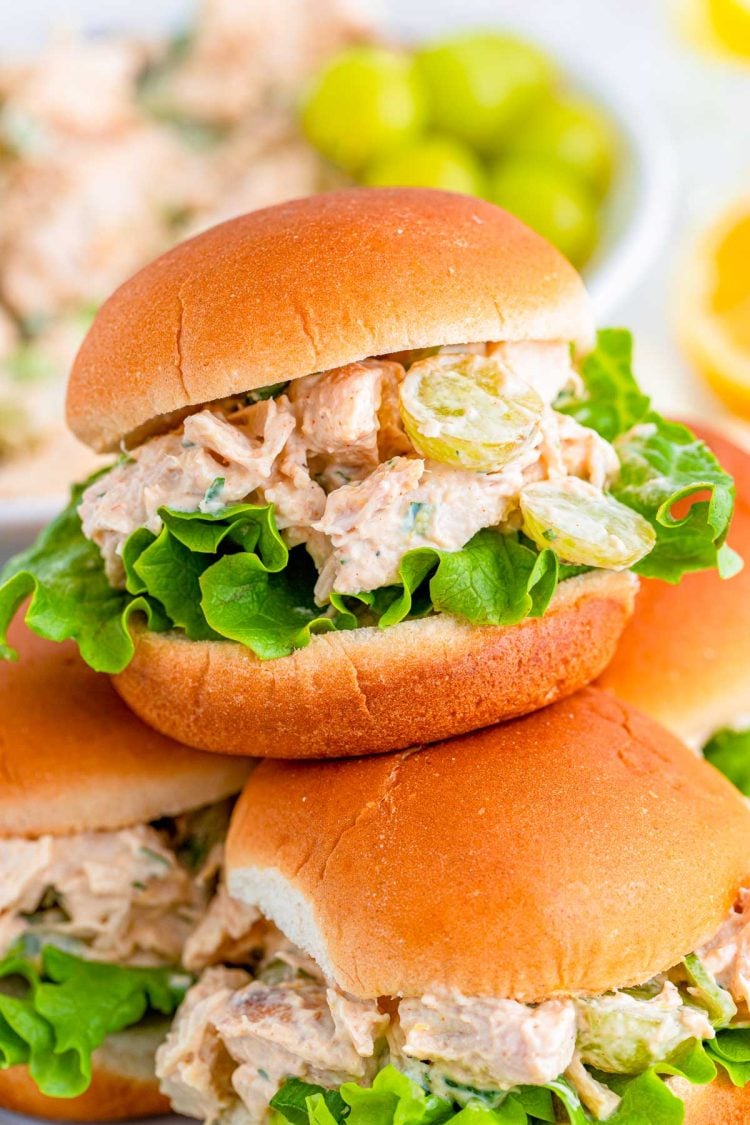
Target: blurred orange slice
713,307
730,22
716,25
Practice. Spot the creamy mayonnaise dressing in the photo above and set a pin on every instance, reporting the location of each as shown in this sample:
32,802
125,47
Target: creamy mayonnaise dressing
486,1043
332,456
727,954
118,896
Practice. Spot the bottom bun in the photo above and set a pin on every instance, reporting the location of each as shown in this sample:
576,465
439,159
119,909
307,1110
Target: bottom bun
373,690
123,1083
719,1103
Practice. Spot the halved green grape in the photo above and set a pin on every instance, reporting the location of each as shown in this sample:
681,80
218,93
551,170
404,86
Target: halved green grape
550,200
436,162
466,411
573,133
620,1034
480,84
584,526
366,102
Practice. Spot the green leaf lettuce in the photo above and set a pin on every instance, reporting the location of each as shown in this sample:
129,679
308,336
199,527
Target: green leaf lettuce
56,1009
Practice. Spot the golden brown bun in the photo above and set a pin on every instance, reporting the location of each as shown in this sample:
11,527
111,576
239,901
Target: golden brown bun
719,1103
685,656
123,1084
73,758
311,285
373,690
554,854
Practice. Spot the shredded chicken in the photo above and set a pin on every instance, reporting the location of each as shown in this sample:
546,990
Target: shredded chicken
547,367
178,470
316,453
727,954
228,932
408,503
122,896
193,1065
490,1044
113,149
83,88
248,52
296,1027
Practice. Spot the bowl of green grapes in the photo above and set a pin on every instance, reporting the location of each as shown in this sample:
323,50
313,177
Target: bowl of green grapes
490,114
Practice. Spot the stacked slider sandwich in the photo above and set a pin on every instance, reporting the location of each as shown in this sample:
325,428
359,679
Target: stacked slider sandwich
110,840
380,485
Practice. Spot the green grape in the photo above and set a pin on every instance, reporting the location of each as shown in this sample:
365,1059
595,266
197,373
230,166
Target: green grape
367,101
480,84
437,162
573,133
621,1034
584,526
466,411
546,197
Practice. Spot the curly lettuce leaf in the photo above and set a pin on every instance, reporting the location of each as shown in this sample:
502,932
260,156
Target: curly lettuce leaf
729,751
647,1100
612,402
56,1009
731,1051
393,1099
71,597
662,464
271,614
494,580
230,575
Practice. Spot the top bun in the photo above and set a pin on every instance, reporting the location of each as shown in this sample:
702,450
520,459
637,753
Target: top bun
693,640
310,285
577,850
73,758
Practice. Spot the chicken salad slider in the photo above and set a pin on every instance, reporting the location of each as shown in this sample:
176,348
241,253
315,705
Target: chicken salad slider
543,921
374,464
110,843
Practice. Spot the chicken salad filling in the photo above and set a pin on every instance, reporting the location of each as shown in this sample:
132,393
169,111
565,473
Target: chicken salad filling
467,481
274,1037
92,932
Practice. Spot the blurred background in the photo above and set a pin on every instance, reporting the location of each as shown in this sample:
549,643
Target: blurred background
622,132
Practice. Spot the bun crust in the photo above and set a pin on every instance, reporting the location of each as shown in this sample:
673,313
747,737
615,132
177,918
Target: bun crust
719,1103
685,655
311,285
551,855
372,690
74,758
123,1084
